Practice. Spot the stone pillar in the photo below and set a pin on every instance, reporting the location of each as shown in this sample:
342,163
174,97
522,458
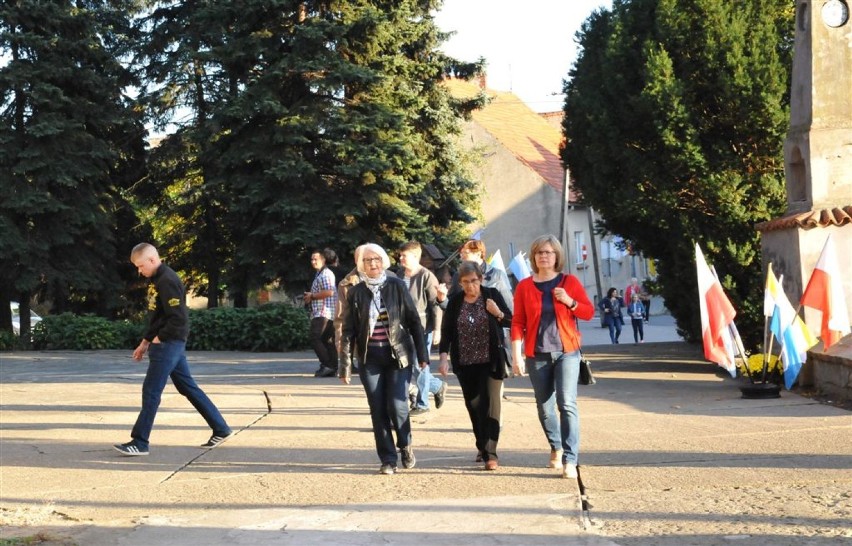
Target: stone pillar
817,155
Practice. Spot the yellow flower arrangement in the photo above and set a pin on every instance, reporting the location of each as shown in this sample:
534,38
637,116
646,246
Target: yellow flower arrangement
755,365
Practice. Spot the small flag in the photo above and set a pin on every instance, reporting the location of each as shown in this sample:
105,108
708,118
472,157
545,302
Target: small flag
788,328
520,267
717,315
825,293
496,261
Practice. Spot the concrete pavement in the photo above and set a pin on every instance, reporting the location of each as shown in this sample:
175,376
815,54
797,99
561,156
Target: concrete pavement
670,455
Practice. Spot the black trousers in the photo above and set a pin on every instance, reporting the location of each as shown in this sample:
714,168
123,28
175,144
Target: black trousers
322,342
482,399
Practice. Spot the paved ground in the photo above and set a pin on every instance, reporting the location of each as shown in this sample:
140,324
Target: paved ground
670,455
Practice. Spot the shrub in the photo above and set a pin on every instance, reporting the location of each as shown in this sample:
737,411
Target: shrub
77,332
269,328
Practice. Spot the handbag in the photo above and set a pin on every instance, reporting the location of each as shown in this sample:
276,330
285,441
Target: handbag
586,376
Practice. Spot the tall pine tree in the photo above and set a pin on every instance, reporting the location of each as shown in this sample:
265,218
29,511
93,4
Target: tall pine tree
68,141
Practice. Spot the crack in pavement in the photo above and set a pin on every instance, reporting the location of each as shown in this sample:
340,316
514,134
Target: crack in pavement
206,451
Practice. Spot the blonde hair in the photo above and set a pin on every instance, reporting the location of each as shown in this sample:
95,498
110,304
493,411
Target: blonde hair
144,249
557,247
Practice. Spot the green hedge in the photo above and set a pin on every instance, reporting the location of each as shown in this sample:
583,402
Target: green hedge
269,328
84,332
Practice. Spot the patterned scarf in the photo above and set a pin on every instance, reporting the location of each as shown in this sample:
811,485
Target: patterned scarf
375,286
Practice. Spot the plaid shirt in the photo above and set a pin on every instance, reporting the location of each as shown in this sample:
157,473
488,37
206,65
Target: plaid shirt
324,280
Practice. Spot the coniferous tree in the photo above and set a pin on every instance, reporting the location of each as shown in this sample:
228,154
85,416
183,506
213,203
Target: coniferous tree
323,124
675,117
69,140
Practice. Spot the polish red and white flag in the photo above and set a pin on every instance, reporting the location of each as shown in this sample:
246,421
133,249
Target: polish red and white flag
717,317
824,292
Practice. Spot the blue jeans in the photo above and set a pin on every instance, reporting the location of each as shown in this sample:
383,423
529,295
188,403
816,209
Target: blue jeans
168,359
554,380
425,381
386,385
614,325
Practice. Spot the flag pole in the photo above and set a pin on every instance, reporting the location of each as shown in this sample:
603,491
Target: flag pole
767,346
740,349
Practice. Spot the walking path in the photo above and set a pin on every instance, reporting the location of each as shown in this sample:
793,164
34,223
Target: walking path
670,455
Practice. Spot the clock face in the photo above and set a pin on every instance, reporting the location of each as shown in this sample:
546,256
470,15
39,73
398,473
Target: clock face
835,13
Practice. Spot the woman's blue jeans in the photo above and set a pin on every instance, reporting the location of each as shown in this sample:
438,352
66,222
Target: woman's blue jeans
614,325
554,380
165,360
386,385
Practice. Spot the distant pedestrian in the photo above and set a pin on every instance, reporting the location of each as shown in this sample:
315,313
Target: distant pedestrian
637,318
472,337
382,323
612,306
644,297
546,341
164,341
423,287
322,299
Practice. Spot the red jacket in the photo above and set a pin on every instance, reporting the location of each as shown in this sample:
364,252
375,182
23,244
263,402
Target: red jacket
528,314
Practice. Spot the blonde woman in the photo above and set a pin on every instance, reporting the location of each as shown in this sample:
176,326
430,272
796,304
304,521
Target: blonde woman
546,341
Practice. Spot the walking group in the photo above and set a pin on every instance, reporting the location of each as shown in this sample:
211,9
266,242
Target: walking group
612,311
381,326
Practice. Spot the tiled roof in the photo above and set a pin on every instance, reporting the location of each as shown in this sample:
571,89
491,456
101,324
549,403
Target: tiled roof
523,132
837,216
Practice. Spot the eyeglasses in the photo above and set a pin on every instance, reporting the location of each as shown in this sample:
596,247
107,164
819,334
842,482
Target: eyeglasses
371,260
470,282
544,253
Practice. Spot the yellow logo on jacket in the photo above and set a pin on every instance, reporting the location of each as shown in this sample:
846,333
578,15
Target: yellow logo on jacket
152,297
174,302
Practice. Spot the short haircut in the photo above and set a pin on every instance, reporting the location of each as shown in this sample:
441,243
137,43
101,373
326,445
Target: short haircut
412,246
330,256
557,247
474,246
143,249
467,267
372,247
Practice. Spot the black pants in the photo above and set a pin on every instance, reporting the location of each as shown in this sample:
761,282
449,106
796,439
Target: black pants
483,402
322,342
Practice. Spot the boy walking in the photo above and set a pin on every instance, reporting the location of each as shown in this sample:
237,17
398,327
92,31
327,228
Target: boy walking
165,342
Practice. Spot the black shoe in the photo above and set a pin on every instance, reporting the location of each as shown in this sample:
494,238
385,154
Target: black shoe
324,372
419,411
387,468
216,439
407,456
440,395
130,449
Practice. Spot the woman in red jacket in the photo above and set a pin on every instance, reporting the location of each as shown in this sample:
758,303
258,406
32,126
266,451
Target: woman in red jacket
545,340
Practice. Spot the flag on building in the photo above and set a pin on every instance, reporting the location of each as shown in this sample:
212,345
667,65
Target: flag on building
717,317
787,327
520,267
824,292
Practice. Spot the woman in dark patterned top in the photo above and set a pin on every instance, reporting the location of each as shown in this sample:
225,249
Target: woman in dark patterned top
382,322
472,337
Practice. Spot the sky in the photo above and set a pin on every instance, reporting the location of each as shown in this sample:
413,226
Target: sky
529,44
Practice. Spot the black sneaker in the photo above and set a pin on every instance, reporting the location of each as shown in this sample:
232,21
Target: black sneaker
324,372
418,411
407,455
441,395
387,468
130,449
216,439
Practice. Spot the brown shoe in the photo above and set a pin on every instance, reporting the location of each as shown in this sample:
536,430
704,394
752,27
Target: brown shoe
555,459
491,464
